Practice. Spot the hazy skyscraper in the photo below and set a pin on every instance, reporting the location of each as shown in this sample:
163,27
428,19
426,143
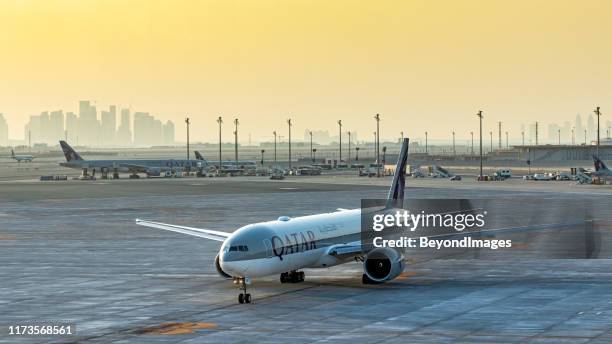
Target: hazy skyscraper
55,130
108,126
3,131
591,127
88,125
71,127
168,133
124,132
143,125
43,133
32,130
156,133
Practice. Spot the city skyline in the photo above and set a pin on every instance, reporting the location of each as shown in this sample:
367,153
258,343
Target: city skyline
414,62
88,128
116,127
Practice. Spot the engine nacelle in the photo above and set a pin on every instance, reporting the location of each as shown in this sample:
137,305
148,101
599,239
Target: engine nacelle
219,270
153,172
382,264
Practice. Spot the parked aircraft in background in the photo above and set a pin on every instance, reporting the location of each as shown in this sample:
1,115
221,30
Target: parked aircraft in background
151,167
21,157
601,170
229,166
246,164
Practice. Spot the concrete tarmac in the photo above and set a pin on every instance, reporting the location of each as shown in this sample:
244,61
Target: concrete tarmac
71,253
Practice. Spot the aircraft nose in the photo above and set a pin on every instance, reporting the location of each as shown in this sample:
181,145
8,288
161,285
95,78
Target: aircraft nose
231,266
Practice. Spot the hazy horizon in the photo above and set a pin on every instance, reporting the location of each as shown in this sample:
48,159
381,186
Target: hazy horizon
423,65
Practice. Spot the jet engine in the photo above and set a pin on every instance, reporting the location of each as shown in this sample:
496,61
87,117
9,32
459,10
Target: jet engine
153,172
381,265
218,267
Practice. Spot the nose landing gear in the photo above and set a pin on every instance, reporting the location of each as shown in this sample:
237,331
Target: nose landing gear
243,297
292,277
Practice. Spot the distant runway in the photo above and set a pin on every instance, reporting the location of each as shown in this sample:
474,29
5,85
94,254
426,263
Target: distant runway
70,252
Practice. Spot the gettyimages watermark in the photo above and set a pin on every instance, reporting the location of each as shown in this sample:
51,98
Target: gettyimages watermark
483,228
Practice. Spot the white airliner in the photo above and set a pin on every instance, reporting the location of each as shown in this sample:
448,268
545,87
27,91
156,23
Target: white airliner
287,245
21,157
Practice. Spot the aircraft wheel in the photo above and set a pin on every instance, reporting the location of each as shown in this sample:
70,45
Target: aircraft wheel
247,298
241,298
283,277
302,275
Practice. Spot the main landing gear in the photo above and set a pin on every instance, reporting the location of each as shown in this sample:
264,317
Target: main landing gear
292,277
243,297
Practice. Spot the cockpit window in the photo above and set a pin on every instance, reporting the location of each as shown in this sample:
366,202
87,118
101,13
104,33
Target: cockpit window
241,248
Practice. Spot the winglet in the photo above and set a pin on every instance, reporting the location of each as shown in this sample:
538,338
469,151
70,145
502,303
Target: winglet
199,156
396,192
69,153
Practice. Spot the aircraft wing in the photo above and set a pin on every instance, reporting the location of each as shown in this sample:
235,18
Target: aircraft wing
136,168
350,249
198,232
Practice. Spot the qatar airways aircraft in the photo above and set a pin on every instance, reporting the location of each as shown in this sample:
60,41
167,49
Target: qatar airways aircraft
287,245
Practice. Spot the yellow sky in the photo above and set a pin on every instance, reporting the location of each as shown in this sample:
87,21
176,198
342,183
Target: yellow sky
424,65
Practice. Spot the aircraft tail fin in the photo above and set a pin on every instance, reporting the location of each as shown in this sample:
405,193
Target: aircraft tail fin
599,165
199,156
69,153
396,192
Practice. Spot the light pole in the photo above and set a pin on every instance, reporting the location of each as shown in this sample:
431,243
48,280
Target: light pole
374,153
472,134
274,132
536,132
491,133
559,134
314,154
499,135
356,153
377,117
480,117
349,149
236,140
340,141
262,156
507,144
598,113
426,153
454,151
220,121
573,137
402,135
310,133
289,124
585,136
187,124
523,134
